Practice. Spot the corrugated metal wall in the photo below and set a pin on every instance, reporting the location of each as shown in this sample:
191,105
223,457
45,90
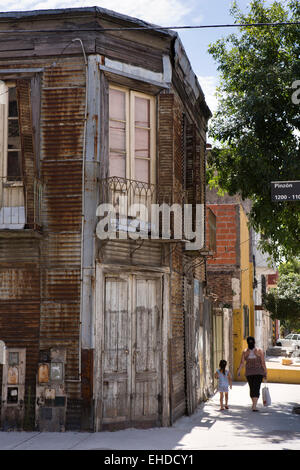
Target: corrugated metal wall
20,306
40,273
62,127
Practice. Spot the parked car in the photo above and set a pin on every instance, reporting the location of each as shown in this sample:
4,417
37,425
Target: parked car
292,341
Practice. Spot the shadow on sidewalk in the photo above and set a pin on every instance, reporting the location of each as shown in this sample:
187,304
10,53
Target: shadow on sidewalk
275,424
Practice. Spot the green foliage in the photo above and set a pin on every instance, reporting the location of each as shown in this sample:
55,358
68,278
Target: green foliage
257,126
291,266
284,302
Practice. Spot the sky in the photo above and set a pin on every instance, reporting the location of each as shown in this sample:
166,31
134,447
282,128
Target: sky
164,13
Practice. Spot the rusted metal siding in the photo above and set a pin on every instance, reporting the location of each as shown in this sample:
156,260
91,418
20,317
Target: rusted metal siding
62,128
20,307
170,172
147,252
182,167
20,264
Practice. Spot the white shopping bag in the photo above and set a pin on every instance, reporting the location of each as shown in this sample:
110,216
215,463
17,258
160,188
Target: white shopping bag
266,396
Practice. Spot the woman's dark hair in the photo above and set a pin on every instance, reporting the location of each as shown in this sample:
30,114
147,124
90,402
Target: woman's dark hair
223,365
251,342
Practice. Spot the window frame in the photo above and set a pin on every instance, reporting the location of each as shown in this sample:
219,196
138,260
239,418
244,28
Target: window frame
130,95
4,125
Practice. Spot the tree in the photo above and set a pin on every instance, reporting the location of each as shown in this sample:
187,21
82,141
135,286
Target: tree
291,266
284,302
257,124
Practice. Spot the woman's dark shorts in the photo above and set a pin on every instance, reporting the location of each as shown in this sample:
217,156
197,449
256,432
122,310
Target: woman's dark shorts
254,382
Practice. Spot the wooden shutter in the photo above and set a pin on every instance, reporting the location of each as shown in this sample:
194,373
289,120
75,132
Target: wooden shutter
166,144
28,159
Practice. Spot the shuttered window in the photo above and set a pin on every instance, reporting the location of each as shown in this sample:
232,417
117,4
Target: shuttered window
131,135
10,141
246,321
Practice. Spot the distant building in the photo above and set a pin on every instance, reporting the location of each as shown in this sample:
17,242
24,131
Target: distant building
230,271
265,277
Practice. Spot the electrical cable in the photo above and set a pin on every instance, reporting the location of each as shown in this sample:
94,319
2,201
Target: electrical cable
155,28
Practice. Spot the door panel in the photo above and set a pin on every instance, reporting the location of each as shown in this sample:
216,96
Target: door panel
131,355
116,351
146,375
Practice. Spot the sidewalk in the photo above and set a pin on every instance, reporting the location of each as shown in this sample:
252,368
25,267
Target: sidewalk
273,428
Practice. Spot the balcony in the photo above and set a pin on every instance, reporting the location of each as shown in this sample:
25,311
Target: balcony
20,204
133,201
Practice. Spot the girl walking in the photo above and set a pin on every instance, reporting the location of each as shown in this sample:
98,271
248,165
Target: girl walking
224,380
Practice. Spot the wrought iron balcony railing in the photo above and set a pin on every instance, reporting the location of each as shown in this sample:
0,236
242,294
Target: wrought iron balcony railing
130,196
20,203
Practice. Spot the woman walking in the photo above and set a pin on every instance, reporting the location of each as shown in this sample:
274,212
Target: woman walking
255,369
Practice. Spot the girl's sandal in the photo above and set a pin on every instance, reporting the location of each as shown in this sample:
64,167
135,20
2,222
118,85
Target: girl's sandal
227,407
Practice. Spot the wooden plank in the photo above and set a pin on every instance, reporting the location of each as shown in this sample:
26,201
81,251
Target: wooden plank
130,52
11,45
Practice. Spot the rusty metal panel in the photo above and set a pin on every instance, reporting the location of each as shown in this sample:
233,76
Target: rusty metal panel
20,301
62,196
62,125
62,130
61,285
61,250
19,284
59,322
62,116
70,73
147,253
22,330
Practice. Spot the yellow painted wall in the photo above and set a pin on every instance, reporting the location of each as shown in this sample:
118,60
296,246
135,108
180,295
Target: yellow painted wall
282,375
246,295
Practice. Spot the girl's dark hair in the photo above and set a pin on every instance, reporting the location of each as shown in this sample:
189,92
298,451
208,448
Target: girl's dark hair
223,365
251,342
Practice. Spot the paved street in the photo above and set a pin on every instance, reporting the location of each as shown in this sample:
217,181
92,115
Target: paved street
238,428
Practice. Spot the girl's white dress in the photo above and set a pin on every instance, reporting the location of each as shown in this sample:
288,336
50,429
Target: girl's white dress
223,381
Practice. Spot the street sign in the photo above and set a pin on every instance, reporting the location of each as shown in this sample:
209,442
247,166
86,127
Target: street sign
285,191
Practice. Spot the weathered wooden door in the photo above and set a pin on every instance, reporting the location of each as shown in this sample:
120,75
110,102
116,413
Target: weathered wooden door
116,353
146,352
131,354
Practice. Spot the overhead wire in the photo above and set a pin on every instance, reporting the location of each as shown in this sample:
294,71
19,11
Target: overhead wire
156,27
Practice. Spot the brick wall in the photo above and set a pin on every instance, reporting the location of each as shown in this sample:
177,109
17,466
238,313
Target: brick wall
227,230
223,266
